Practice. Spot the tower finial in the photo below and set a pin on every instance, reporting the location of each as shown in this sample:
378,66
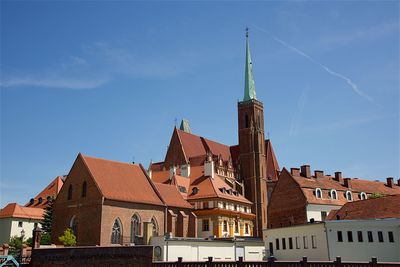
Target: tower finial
247,32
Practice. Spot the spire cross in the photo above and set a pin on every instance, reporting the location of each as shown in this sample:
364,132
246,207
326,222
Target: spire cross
247,32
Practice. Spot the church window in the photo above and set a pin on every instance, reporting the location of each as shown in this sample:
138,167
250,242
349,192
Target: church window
135,227
84,189
246,118
154,227
349,196
73,224
116,232
318,193
70,192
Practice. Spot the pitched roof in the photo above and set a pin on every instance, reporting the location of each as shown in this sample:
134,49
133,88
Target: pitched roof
272,163
121,181
192,144
171,196
378,208
50,190
218,149
13,210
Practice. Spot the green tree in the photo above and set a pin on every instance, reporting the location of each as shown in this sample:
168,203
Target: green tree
48,216
46,239
15,244
68,238
376,195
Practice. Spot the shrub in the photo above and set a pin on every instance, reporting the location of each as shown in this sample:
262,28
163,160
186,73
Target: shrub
68,238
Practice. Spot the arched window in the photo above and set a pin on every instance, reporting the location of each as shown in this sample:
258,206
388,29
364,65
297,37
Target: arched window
154,227
349,196
84,189
135,227
246,118
318,193
116,232
333,194
363,196
70,192
73,224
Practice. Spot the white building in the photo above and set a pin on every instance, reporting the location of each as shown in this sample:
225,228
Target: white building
352,240
199,249
16,219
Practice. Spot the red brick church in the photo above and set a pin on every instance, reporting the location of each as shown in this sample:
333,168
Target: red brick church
202,188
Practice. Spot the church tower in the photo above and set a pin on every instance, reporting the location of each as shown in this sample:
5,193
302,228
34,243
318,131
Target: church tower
252,156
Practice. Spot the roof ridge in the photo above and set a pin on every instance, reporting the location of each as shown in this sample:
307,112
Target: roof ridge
109,160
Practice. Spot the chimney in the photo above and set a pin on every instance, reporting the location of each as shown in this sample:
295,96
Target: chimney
295,171
346,182
209,167
172,171
319,174
389,181
338,176
306,171
185,170
398,182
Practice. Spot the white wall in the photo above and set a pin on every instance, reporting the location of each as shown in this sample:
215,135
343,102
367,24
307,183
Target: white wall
363,251
301,231
9,228
314,211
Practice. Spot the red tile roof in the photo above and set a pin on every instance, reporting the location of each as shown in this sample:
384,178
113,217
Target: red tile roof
13,210
218,149
192,144
50,190
272,163
171,196
378,208
121,181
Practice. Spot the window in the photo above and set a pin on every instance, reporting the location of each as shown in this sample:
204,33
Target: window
333,194
224,205
35,225
205,205
391,238
323,215
116,232
206,225
246,118
73,224
182,189
305,242
297,242
154,226
225,226
277,244
318,193
314,241
19,224
236,227
246,228
283,243
339,236
135,227
271,248
370,237
84,188
70,192
380,236
349,196
360,236
290,243
40,200
363,196
350,236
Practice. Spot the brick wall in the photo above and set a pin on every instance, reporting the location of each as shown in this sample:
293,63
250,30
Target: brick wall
288,203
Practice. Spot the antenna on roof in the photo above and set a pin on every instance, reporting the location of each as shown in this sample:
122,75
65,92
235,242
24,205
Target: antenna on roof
176,121
133,159
268,135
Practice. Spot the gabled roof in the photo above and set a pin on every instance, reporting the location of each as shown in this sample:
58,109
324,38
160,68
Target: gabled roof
218,149
13,210
171,196
378,208
272,163
121,181
50,190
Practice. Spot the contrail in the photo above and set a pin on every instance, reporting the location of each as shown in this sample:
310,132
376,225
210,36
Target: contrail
353,86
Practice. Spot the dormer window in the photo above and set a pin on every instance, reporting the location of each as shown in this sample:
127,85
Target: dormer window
40,200
349,196
363,196
195,190
318,193
333,194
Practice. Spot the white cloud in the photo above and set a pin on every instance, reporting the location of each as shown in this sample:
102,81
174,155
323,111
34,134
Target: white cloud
54,82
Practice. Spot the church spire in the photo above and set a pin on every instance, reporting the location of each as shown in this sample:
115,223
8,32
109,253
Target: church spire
249,86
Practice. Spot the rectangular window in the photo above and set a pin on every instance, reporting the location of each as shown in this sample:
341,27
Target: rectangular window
290,243
277,244
370,237
314,241
225,226
350,236
297,242
271,248
339,236
205,205
283,243
391,238
19,224
35,225
206,225
360,236
305,242
323,215
380,236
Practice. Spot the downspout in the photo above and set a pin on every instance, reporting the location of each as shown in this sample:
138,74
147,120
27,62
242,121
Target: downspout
327,243
165,219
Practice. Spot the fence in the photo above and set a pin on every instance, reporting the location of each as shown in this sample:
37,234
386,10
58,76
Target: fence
273,263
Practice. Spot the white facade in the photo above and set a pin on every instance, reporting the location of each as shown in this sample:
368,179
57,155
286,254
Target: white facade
349,239
10,227
315,211
197,249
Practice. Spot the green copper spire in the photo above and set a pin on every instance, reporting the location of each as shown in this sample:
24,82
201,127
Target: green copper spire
185,126
249,86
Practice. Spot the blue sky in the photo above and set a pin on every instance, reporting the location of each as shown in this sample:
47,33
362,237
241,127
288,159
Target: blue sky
108,79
